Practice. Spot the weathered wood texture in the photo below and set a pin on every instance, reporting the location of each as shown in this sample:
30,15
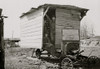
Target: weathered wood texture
31,29
65,19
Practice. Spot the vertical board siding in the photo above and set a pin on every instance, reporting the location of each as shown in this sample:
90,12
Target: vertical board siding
31,30
65,18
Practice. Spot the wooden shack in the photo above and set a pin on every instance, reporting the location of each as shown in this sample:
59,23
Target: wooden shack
53,20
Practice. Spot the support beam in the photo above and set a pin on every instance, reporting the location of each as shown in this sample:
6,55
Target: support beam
49,18
46,11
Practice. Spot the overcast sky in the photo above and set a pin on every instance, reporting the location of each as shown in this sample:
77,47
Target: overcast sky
14,8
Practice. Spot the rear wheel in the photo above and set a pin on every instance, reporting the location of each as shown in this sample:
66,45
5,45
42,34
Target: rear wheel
66,63
93,60
38,53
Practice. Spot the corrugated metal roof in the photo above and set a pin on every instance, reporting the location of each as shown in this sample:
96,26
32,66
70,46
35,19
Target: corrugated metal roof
55,6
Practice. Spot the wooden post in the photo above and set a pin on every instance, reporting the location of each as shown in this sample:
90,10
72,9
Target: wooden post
1,42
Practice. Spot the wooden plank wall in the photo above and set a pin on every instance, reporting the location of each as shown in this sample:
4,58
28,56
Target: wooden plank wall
65,18
31,30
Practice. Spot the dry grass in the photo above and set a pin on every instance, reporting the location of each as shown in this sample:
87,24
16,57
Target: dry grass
91,51
16,58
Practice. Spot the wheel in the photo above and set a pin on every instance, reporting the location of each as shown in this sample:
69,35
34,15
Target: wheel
66,63
38,53
93,60
42,65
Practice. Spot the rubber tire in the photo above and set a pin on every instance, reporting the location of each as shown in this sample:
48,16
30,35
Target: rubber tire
38,54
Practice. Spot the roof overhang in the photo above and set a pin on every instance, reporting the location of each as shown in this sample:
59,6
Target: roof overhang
82,10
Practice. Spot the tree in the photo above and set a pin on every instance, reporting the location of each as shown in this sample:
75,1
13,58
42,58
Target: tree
86,31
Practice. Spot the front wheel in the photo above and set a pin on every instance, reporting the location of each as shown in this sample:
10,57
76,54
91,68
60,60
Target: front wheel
66,63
